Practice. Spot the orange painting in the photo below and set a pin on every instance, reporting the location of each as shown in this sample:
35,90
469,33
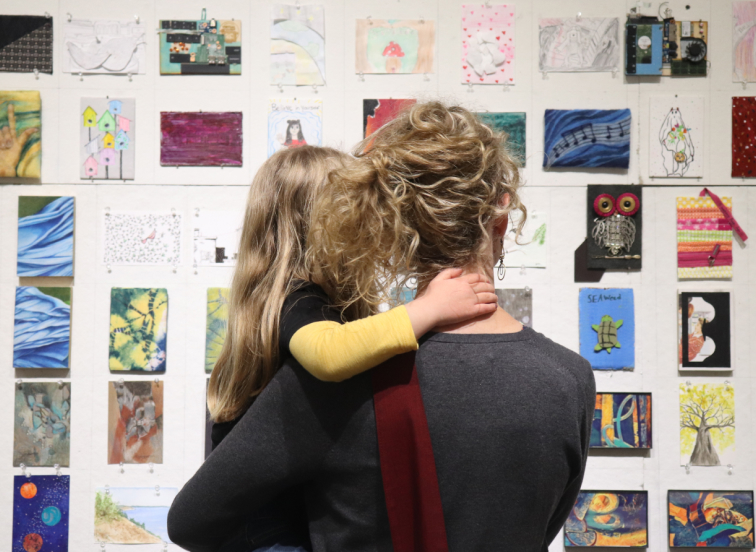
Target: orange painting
135,422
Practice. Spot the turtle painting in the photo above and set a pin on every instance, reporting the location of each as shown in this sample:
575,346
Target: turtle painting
607,334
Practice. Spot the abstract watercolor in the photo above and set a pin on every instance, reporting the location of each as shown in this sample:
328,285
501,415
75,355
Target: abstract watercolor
607,328
135,422
676,136
704,239
529,249
294,123
394,46
200,47
743,136
711,519
611,519
106,138
40,513
579,44
216,236
488,44
26,43
138,329
518,303
622,420
707,424
20,116
216,326
142,238
514,125
297,45
704,330
132,515
42,327
376,113
42,424
201,139
104,47
592,138
45,236
744,41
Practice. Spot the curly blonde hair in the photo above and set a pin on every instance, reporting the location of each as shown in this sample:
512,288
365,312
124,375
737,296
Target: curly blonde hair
419,196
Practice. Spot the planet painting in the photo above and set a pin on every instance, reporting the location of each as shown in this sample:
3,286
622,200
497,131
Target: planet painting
28,490
40,513
51,516
32,542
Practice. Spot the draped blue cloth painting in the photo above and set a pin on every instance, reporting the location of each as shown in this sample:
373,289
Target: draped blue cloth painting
45,238
587,138
42,328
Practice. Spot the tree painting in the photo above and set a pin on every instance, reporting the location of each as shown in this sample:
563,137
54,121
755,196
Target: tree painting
707,424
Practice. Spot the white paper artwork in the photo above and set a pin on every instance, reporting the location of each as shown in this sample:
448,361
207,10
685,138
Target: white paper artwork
103,47
676,136
532,251
141,238
585,44
216,236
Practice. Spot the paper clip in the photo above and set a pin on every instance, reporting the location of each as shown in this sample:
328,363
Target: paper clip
97,38
370,19
121,465
175,269
23,470
315,88
60,384
545,74
81,77
280,88
579,16
19,383
522,270
110,270
615,72
729,469
157,380
107,489
152,467
196,211
506,86
528,291
36,73
173,211
47,15
687,383
157,490
136,18
130,77
727,384
687,468
57,470
426,78
70,17
744,83
195,268
361,76
470,88
102,546
422,20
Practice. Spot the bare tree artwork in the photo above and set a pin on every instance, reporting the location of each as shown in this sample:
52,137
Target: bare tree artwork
707,422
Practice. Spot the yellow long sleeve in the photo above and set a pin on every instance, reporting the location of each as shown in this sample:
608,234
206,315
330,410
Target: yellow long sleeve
334,352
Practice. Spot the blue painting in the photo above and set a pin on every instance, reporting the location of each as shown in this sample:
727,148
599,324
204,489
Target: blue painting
608,519
42,327
40,513
710,519
607,328
513,124
622,420
587,138
45,236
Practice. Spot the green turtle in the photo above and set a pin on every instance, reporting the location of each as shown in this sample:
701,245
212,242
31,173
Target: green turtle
607,333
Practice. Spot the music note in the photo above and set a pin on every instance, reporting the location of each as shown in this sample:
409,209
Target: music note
609,132
588,126
571,134
557,148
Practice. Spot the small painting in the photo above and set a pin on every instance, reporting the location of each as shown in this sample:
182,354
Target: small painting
200,47
676,136
607,328
513,125
42,424
579,44
518,303
217,325
610,519
588,138
27,43
704,335
376,113
42,327
711,519
201,139
45,236
530,248
488,44
294,123
704,239
707,424
743,136
132,515
20,122
104,46
141,238
40,513
106,138
216,236
297,45
622,420
138,329
615,226
744,41
394,46
135,422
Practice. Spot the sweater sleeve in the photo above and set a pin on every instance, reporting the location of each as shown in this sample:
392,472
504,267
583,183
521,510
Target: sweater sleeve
331,351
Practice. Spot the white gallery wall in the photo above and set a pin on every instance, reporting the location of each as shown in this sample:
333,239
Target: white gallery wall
561,193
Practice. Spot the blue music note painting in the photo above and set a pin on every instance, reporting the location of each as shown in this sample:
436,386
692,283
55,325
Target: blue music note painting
587,138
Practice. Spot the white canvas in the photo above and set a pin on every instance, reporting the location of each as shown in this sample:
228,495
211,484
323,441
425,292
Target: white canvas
533,250
141,238
103,47
676,136
216,236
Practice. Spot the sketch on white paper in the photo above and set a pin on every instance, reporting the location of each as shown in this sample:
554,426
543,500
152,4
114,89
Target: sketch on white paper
744,41
297,45
532,250
104,47
141,238
586,44
216,236
676,136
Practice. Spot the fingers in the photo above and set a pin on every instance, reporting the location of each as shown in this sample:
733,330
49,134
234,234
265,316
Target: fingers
448,274
473,278
483,287
486,308
489,298
5,138
12,120
25,135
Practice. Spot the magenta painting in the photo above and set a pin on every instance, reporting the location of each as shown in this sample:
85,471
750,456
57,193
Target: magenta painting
198,139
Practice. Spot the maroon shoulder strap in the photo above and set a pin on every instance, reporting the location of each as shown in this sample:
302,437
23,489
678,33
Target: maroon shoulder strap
408,469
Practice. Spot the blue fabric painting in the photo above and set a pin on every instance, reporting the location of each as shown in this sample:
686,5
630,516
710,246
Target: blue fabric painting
40,513
42,328
587,138
45,239
607,328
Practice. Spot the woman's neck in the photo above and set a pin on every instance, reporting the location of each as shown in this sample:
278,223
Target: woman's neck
498,322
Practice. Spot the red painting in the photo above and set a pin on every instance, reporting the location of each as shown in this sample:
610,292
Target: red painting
376,113
744,137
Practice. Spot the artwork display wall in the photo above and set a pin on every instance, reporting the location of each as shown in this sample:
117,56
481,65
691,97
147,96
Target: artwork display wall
119,217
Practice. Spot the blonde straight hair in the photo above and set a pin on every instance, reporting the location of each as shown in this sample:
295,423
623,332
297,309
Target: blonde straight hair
271,259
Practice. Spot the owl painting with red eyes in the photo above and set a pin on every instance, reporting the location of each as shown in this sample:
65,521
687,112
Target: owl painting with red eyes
614,227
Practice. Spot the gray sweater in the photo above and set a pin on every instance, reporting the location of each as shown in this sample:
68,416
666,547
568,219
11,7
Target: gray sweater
509,418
